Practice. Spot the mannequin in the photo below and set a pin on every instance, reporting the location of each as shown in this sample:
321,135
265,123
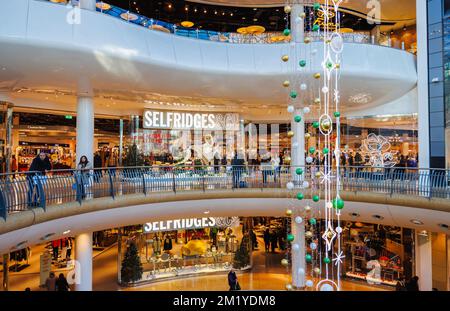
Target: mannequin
167,243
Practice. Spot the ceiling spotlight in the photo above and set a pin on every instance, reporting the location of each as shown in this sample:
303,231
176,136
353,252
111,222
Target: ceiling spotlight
255,19
215,12
243,17
66,232
423,233
170,6
404,28
195,10
186,9
443,226
416,222
45,237
254,9
206,212
231,14
204,11
354,214
379,217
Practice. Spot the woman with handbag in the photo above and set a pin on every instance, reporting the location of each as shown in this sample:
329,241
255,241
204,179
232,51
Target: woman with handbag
84,167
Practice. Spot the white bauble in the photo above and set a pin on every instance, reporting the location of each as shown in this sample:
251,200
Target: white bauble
296,247
291,109
307,208
309,283
295,144
329,205
316,270
326,288
290,185
309,159
305,184
306,110
339,230
298,220
288,287
303,86
313,246
325,89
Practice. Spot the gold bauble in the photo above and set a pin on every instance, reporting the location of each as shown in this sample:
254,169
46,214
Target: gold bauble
337,66
286,83
307,40
288,212
307,135
287,159
284,262
290,134
317,101
285,58
318,174
325,125
317,270
302,15
287,9
317,75
328,41
308,234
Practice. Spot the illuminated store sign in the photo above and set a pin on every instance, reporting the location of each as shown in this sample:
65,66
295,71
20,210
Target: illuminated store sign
179,120
190,223
188,121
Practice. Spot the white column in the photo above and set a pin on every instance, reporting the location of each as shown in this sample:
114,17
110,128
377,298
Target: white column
422,84
87,5
298,159
83,256
298,255
448,262
424,262
85,128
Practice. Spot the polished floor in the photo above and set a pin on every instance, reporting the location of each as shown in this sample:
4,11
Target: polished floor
266,274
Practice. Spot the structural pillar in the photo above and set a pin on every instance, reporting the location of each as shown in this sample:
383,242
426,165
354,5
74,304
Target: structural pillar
88,4
83,257
298,159
85,128
424,262
121,143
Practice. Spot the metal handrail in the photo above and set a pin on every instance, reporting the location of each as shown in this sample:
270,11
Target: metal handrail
24,191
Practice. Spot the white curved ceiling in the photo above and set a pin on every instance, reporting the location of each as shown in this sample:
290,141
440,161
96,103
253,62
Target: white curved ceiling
116,61
118,217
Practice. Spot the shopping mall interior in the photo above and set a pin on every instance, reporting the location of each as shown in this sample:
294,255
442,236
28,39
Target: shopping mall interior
215,145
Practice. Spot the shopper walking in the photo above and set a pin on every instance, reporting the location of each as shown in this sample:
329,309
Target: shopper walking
97,165
273,241
14,166
61,284
233,281
35,178
50,283
237,166
83,175
266,237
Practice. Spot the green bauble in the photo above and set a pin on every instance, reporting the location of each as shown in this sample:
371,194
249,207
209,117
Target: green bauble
290,237
312,221
337,114
302,63
297,119
293,94
315,124
308,258
338,203
300,196
325,150
316,6
299,171
316,27
286,32
326,260
312,150
329,65
316,198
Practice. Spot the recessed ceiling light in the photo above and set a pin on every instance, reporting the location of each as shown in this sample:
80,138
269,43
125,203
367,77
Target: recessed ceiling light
255,19
21,243
206,212
66,232
45,237
379,217
243,17
443,226
423,233
416,222
354,214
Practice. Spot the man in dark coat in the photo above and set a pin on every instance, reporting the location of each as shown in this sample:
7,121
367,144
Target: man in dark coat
238,167
38,168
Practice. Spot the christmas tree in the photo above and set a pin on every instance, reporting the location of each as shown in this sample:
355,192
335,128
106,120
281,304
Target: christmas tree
131,270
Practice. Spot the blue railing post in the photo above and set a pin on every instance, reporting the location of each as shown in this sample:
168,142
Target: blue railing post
41,192
174,187
78,185
3,205
144,187
111,184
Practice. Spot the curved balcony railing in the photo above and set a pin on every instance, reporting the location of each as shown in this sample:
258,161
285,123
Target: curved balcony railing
230,37
22,191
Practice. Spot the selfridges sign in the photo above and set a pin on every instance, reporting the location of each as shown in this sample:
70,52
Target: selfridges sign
191,223
190,121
